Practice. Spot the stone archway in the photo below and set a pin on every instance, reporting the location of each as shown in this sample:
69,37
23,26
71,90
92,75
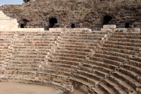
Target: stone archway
127,25
72,25
52,22
107,19
23,23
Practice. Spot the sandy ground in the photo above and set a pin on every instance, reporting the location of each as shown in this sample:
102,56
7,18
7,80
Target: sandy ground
19,88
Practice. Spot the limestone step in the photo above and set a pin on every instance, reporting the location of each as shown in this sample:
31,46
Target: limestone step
69,55
71,52
132,71
94,67
124,43
91,76
122,47
118,52
64,62
106,89
127,79
117,89
125,86
125,39
104,65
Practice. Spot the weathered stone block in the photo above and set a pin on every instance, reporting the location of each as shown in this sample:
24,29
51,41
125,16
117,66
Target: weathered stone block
109,26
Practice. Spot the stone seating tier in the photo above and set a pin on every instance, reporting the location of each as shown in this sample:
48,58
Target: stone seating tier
84,60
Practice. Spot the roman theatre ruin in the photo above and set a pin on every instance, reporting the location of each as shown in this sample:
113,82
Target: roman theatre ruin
64,61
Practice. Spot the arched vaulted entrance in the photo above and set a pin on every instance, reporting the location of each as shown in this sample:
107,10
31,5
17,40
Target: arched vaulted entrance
52,22
106,19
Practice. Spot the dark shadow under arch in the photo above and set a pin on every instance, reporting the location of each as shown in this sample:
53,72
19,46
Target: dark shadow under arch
106,19
52,22
127,25
23,23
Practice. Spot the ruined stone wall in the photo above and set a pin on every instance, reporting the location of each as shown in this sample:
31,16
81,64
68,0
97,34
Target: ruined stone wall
84,13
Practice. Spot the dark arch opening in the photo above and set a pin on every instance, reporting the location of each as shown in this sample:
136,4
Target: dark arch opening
106,19
23,23
52,22
72,25
127,25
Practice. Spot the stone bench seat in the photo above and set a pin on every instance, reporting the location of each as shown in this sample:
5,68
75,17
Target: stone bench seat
85,34
32,47
21,74
83,44
107,88
74,49
132,82
55,77
98,90
22,69
27,56
72,46
125,86
81,81
31,64
69,38
122,47
88,76
115,87
110,60
110,56
78,33
126,34
27,60
71,52
59,71
124,43
69,55
129,37
79,41
136,58
107,66
125,39
134,70
95,74
69,62
56,58
118,52
134,63
94,67
31,52
64,65
68,71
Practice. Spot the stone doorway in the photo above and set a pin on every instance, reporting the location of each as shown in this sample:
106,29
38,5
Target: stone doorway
23,23
72,25
106,19
52,22
127,25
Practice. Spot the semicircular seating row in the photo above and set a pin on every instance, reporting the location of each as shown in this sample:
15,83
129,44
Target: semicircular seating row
79,60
